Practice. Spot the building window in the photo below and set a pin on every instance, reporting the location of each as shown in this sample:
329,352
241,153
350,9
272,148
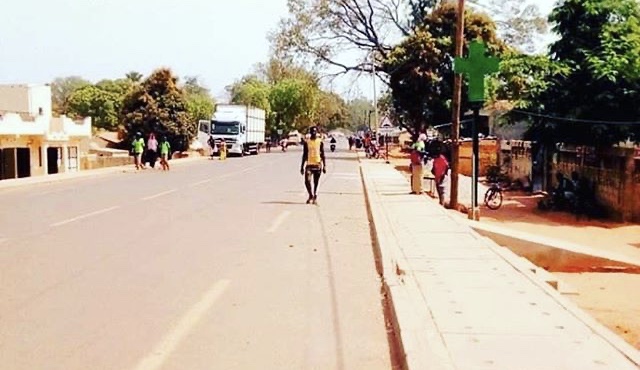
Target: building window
40,156
40,111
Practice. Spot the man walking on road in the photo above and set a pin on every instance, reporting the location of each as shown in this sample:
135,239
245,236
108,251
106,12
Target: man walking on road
313,158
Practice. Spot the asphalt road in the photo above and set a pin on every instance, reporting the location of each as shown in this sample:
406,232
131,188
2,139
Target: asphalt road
213,265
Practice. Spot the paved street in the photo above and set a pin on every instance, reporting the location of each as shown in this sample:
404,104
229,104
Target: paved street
214,265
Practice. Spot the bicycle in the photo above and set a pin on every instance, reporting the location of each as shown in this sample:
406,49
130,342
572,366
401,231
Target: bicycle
493,197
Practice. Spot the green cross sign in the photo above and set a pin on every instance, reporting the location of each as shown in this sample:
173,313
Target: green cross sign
476,66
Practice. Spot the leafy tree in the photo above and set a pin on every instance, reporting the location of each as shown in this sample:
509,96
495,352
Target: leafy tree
101,105
158,105
62,88
294,103
599,52
200,104
324,29
251,91
331,112
421,66
120,86
522,79
359,113
192,86
519,24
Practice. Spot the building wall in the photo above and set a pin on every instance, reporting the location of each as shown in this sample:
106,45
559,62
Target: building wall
488,156
26,99
615,175
515,159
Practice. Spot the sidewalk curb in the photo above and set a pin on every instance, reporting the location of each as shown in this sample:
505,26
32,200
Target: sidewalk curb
418,340
61,177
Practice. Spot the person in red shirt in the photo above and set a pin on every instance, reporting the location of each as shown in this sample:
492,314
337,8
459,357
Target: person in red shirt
440,171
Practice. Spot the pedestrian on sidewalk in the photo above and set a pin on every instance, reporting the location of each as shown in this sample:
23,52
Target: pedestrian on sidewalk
165,151
440,171
152,150
417,169
137,148
313,162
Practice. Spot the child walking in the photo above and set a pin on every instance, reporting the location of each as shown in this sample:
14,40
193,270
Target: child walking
165,149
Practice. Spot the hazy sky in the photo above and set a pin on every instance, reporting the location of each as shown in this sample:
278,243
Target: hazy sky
217,40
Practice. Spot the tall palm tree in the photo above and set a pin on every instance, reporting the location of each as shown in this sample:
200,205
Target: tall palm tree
134,76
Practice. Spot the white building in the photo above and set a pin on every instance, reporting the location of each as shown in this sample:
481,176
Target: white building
32,141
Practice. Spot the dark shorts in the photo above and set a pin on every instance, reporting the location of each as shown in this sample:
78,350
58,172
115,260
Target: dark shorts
311,169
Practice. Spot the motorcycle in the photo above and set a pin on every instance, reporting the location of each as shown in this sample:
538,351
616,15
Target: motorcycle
333,147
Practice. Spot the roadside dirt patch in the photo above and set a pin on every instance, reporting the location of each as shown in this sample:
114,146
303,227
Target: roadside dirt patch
609,299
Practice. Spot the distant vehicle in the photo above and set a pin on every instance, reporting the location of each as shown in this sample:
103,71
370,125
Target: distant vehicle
294,138
242,128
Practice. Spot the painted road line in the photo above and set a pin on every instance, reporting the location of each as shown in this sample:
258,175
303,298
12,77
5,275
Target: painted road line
159,194
200,183
81,217
278,221
238,172
172,340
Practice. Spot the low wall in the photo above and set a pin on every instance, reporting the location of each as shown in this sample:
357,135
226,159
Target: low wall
616,176
92,162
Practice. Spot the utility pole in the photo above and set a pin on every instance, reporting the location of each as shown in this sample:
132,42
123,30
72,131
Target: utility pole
455,119
375,93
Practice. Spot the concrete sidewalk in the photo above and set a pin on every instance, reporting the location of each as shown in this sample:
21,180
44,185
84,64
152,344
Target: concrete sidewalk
460,301
46,179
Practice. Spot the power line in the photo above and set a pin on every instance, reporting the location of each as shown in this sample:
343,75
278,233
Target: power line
576,120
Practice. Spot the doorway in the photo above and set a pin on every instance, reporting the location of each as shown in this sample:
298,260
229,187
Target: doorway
23,161
8,163
53,158
73,158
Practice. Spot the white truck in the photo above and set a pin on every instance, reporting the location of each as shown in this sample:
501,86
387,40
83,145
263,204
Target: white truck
242,128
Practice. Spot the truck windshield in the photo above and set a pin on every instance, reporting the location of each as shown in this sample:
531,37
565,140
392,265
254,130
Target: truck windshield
225,128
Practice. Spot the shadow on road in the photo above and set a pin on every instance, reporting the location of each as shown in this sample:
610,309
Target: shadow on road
283,202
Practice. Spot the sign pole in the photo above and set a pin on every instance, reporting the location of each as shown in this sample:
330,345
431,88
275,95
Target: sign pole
386,144
476,66
476,163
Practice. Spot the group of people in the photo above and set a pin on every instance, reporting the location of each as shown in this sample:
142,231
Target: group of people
433,156
151,151
220,147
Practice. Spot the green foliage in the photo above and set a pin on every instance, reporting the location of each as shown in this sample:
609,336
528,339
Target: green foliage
120,86
62,88
331,112
200,105
251,91
519,24
291,97
420,68
523,79
600,76
360,113
293,101
100,104
158,105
